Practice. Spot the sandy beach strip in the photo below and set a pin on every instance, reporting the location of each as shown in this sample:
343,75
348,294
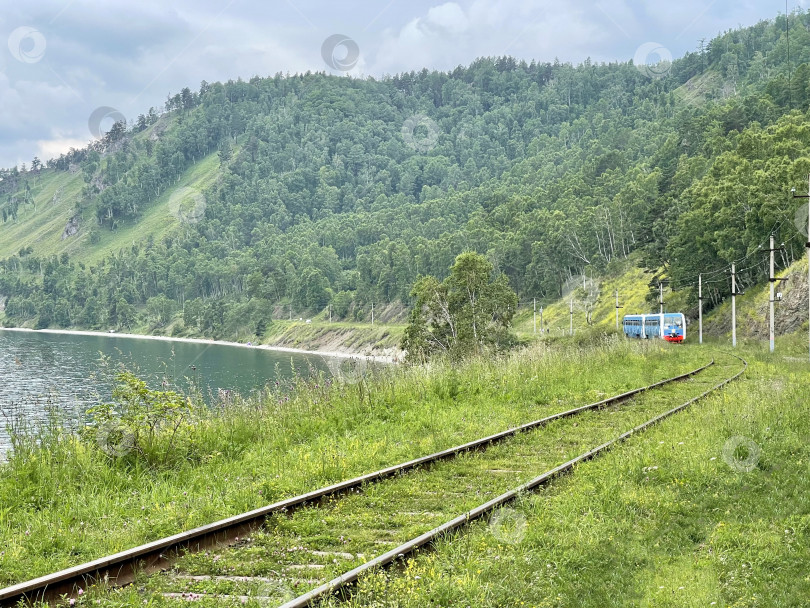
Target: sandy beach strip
281,349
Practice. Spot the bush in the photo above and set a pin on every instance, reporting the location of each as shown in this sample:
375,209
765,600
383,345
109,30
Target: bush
153,426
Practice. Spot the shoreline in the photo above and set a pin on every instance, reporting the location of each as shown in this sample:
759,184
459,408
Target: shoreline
281,349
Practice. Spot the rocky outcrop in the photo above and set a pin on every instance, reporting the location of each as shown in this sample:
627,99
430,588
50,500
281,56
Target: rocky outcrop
752,321
72,228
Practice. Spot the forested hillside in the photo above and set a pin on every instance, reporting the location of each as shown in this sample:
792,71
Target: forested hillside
314,190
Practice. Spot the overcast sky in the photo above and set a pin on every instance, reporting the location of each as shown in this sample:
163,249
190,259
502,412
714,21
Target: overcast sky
61,60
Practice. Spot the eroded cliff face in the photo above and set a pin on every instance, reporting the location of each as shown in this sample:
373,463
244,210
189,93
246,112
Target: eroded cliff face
72,228
790,314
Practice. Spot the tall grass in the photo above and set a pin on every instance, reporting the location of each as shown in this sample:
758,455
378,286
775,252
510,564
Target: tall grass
709,508
65,497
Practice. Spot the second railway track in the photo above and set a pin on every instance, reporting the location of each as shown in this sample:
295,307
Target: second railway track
299,550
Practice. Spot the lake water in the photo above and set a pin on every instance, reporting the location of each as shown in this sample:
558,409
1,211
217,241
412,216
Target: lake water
37,368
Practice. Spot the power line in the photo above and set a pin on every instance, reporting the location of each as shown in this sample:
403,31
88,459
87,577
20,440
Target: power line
726,269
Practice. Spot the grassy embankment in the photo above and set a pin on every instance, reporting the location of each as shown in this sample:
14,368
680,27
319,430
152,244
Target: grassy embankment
71,502
632,284
674,517
683,515
343,336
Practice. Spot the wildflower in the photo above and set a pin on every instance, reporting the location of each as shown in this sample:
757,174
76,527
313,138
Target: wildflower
72,602
81,592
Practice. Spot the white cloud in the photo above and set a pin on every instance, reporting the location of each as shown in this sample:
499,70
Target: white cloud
52,148
448,35
131,55
450,17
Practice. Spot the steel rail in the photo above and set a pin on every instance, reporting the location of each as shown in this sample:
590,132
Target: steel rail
120,568
351,577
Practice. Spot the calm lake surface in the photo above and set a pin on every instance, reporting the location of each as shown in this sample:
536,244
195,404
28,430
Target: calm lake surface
37,368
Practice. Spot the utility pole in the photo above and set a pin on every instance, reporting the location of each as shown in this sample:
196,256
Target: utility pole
372,314
772,300
700,309
330,313
535,316
660,297
733,305
771,281
807,196
787,35
571,313
541,319
617,309
290,312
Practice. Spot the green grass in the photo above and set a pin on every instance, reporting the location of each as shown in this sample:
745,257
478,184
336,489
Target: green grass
629,279
70,503
344,533
160,217
671,518
666,519
346,336
42,228
701,89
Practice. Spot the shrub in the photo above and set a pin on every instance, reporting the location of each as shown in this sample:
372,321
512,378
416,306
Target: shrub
142,423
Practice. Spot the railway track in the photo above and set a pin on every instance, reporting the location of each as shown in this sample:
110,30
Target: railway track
303,548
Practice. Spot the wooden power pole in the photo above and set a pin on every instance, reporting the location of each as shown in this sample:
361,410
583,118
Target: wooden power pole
660,298
807,196
771,280
617,309
733,306
571,314
700,308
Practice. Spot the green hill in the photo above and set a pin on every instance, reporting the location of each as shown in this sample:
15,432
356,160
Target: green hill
57,195
314,193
